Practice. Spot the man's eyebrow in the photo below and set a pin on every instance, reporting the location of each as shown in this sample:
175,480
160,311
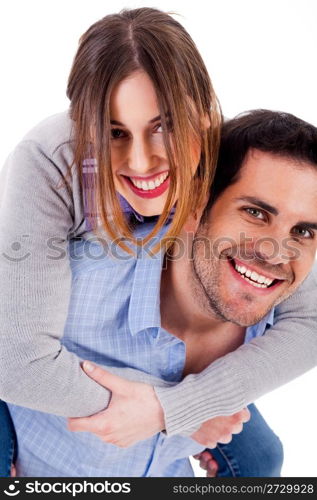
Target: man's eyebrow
260,203
155,119
307,225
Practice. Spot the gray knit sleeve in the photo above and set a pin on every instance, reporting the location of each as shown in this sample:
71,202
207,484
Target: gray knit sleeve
36,216
287,350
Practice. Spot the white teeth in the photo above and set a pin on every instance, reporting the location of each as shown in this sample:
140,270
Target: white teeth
256,279
254,276
148,185
257,285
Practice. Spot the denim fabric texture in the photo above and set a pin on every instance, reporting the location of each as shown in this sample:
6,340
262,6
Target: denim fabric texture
8,443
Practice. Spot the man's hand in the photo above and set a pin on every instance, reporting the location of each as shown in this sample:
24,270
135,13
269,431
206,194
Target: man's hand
207,463
134,412
220,429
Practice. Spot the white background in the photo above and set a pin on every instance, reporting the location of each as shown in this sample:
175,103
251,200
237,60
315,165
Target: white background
259,54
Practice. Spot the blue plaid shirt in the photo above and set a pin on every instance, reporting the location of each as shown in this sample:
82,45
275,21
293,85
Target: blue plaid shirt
113,320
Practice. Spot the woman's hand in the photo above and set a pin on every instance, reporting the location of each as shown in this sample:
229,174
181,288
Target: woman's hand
220,429
134,412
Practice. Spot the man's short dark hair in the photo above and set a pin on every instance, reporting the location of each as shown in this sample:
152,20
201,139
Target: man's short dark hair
273,132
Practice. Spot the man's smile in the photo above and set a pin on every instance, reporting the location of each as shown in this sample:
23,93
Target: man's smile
259,280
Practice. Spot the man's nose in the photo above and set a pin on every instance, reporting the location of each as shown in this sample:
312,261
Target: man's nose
276,250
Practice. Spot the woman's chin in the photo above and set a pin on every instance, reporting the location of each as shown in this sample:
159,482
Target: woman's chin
146,207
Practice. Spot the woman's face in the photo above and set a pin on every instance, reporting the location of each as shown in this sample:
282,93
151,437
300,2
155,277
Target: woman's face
138,157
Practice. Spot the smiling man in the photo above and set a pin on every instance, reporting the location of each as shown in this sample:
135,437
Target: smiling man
255,242
266,234
248,250
244,253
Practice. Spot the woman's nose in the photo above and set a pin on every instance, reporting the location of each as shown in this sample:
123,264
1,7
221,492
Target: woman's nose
140,157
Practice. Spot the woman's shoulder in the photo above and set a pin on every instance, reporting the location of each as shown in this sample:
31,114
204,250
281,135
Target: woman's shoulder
52,132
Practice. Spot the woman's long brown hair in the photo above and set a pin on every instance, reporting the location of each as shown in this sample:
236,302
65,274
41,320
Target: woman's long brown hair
110,50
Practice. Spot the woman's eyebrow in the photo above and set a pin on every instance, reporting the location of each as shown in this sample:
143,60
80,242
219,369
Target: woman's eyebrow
155,119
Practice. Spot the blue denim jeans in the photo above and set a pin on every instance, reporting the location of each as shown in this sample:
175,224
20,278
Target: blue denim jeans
8,444
255,452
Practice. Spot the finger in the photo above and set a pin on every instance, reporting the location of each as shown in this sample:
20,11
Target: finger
225,439
243,415
237,429
103,377
246,415
13,471
205,457
212,468
94,423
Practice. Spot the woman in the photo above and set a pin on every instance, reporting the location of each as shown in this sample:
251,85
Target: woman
44,204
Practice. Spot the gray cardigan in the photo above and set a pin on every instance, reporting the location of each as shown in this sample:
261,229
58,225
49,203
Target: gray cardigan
38,215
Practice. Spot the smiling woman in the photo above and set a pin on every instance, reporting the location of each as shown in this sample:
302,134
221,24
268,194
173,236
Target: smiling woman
143,76
139,162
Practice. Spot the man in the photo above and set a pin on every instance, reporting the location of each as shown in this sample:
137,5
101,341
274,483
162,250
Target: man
225,278
254,245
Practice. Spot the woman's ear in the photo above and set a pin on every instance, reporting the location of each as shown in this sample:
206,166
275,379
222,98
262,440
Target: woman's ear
191,224
205,122
193,220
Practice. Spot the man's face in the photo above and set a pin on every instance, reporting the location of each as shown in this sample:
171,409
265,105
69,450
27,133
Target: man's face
259,241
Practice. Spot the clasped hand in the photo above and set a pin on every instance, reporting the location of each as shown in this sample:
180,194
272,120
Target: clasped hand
134,414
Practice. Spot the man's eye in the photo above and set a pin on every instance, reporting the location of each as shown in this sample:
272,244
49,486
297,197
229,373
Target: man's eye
256,213
303,232
117,133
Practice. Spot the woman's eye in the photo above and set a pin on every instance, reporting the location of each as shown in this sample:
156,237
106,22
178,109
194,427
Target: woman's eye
117,133
256,213
303,232
159,127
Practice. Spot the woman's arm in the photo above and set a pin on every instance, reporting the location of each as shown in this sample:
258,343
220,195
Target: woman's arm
36,217
287,350
38,213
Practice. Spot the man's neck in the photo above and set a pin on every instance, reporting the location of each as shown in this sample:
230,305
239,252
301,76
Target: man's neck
180,313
